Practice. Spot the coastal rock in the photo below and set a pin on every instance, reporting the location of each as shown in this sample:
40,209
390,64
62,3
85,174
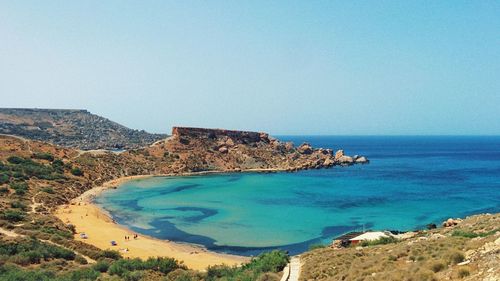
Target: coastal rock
223,149
361,160
328,162
229,142
289,146
264,137
338,154
305,148
345,160
451,222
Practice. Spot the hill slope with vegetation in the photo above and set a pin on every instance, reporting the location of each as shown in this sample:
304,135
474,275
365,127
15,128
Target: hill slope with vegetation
467,251
72,128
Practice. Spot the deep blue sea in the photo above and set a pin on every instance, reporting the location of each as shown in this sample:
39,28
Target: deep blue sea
410,182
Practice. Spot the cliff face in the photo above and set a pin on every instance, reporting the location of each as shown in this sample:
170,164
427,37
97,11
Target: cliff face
199,149
203,133
72,128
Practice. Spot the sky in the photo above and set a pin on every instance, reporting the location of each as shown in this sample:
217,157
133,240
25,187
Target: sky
284,67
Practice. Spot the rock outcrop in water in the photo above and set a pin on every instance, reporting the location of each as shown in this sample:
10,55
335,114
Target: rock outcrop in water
226,150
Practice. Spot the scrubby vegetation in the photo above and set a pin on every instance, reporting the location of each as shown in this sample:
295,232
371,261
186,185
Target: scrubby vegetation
33,252
435,254
264,264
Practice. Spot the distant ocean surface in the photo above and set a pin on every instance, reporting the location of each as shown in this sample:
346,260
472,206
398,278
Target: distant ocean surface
410,182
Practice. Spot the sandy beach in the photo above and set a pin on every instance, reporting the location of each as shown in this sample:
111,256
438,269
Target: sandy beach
100,229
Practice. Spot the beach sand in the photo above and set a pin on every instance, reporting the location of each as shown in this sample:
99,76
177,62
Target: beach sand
100,229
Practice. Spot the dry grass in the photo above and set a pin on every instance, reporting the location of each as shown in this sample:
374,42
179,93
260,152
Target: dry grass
425,257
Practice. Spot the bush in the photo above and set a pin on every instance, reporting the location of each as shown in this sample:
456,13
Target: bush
77,172
26,252
4,190
456,257
43,156
110,254
101,266
273,261
15,160
463,272
58,166
13,215
82,274
18,205
270,262
4,178
14,273
19,187
48,189
437,266
164,265
81,260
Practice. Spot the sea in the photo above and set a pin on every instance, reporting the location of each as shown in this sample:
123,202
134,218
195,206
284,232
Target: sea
410,182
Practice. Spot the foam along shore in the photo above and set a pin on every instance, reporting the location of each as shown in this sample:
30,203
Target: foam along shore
100,230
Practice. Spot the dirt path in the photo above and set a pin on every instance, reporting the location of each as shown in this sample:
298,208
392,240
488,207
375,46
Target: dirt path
295,266
8,233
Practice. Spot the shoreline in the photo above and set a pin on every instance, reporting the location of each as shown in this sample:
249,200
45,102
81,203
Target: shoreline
101,229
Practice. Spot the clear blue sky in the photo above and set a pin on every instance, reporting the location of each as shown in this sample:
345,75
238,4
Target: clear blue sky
286,67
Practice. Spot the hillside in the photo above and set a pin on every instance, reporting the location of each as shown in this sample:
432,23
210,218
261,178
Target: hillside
469,250
72,128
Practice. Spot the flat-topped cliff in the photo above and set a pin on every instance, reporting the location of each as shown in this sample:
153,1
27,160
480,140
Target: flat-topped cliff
240,136
72,128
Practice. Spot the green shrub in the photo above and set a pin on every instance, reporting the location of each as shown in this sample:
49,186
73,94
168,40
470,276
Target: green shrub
273,261
18,205
466,234
48,189
123,266
4,178
77,172
15,160
32,251
14,273
101,265
4,190
58,166
110,254
43,156
13,215
19,187
82,274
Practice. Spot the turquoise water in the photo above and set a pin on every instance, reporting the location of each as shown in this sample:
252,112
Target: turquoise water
410,182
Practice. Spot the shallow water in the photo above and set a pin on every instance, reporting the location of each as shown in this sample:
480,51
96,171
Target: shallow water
410,182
